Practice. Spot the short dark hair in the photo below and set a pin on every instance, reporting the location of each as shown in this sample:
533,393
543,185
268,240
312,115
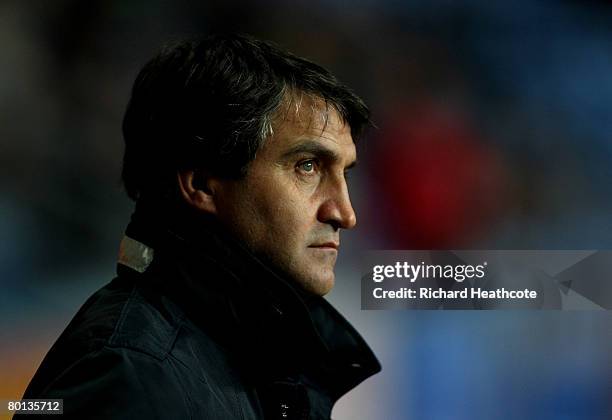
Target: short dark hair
209,104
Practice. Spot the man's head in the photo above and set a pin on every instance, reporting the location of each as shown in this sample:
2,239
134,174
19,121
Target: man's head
254,136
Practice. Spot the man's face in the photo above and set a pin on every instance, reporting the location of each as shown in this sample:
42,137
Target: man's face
294,200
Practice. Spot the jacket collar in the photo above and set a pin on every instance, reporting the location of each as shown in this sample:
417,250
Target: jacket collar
271,327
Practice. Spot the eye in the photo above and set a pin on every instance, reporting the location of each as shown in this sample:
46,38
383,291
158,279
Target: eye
307,166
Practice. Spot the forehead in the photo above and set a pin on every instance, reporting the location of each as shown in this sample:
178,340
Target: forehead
304,118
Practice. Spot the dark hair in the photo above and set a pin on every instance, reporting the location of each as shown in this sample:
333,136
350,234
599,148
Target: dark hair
209,104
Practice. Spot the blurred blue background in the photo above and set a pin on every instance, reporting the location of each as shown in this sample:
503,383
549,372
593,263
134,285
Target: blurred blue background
494,130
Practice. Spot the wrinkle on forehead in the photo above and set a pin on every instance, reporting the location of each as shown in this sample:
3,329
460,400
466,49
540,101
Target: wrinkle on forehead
307,111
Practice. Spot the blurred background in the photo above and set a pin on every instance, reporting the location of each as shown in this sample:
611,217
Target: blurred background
494,131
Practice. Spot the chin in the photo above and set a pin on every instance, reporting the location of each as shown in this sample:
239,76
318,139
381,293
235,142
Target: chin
326,288
320,285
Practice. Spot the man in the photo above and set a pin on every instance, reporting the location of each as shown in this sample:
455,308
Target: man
236,155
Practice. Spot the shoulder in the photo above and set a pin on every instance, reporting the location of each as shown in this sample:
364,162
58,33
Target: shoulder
118,383
125,315
135,350
117,319
147,322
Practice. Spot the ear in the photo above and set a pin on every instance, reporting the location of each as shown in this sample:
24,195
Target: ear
197,189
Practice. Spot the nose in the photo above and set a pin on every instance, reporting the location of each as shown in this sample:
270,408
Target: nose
337,209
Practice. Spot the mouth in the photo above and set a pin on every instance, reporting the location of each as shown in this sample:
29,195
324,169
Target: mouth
326,245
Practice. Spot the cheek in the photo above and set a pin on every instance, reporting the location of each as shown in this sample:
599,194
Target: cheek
281,206
287,219
240,210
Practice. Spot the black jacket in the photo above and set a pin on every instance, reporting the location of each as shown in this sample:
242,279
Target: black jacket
205,331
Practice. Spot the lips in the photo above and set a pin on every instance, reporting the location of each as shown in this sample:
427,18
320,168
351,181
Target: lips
327,245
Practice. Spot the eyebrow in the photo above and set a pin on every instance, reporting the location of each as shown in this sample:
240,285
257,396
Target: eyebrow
317,149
